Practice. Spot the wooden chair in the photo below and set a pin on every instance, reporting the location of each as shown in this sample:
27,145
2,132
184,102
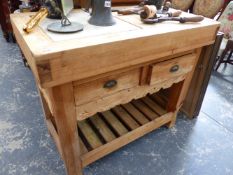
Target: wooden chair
207,8
226,20
226,2
183,5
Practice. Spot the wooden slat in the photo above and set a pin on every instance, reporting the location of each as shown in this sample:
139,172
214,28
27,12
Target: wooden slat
154,106
83,148
112,120
126,118
158,99
125,139
145,109
103,129
54,134
89,134
137,115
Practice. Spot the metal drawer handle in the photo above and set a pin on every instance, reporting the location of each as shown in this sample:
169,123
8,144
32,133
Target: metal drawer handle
110,84
174,68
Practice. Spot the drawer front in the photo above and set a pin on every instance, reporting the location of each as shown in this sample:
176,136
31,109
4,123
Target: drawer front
172,68
106,86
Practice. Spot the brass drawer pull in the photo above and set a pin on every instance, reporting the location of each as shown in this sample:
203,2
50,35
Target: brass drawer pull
110,84
174,68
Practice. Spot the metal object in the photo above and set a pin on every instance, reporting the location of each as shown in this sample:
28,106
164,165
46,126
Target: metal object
175,13
197,18
147,11
174,68
110,84
53,10
101,13
25,6
50,9
150,12
65,26
34,21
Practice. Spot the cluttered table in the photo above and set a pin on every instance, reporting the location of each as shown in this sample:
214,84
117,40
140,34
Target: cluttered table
99,87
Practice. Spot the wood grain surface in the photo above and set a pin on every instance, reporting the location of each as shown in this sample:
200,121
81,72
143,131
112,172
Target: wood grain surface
89,121
58,62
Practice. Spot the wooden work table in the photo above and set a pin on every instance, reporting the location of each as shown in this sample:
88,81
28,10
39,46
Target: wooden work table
99,87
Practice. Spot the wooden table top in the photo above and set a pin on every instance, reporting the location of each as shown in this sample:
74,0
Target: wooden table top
44,45
60,58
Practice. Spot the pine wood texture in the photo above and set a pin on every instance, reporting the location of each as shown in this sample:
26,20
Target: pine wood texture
98,88
120,126
163,71
93,90
65,120
64,61
193,101
122,97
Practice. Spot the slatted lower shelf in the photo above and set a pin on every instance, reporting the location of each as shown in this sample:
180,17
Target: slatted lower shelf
105,132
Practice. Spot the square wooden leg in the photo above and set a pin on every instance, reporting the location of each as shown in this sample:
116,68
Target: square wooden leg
66,123
173,121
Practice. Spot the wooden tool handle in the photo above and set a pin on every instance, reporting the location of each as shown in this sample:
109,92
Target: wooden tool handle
126,12
149,11
175,13
191,19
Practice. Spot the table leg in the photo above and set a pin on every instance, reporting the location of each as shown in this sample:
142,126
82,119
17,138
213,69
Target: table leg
66,123
175,93
178,92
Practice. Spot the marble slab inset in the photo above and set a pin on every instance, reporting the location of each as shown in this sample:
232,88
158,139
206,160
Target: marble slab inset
89,30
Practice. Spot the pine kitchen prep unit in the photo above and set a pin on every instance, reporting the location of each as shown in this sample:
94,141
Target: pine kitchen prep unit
99,87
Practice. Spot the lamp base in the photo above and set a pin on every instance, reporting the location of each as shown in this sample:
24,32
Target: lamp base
57,27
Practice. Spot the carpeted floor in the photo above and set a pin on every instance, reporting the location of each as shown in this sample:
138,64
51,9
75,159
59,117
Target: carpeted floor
202,146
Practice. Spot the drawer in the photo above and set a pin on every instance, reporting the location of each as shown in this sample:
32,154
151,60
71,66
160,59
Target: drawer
171,69
106,86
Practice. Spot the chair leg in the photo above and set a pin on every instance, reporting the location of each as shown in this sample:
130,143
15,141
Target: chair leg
229,56
216,60
221,59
